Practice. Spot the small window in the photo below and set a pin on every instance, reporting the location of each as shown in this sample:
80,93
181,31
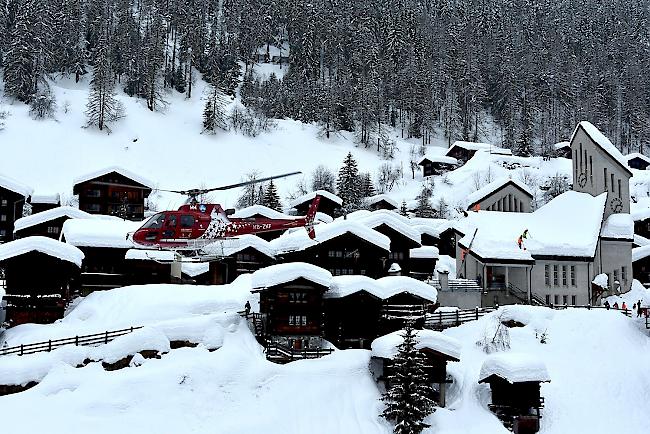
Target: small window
93,207
292,320
573,275
565,299
547,275
187,221
3,233
170,221
619,188
591,172
555,276
556,299
573,300
615,275
564,276
331,253
304,320
548,299
154,222
605,177
4,202
339,253
93,193
624,274
612,183
3,218
53,230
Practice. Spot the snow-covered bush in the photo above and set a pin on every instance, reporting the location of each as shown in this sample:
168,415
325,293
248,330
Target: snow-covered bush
496,336
249,122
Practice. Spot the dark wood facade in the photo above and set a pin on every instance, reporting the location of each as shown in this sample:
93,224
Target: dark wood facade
43,206
422,268
346,254
147,272
400,246
246,261
435,168
353,321
326,205
50,229
403,307
518,405
11,209
382,204
642,227
293,312
103,268
641,270
113,194
638,163
461,154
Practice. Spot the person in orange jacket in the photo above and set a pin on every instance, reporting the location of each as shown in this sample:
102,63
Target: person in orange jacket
624,307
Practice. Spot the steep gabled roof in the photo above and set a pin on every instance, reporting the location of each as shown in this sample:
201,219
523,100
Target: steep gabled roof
49,215
285,273
514,367
634,155
379,197
310,196
45,245
493,186
15,186
122,171
605,144
443,159
391,219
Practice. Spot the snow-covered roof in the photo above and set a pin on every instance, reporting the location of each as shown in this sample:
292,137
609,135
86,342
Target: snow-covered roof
322,217
15,186
640,253
386,347
379,197
438,159
150,255
99,232
310,196
194,269
51,199
50,214
493,186
45,245
561,145
425,252
392,220
475,146
230,247
435,228
393,285
619,226
284,273
394,268
580,215
601,140
122,171
640,240
299,239
634,155
514,367
601,280
342,286
262,210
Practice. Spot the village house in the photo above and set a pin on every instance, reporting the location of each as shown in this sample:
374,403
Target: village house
551,256
464,151
113,191
241,255
637,161
437,232
423,262
381,201
41,275
47,223
505,194
13,195
641,264
434,165
44,202
330,203
144,267
563,150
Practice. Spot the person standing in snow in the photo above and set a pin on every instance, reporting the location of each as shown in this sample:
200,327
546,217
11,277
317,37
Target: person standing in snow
639,311
247,307
607,305
616,305
624,306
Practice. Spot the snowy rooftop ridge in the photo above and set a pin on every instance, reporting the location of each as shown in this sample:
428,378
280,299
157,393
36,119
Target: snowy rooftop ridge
398,284
51,199
122,171
385,346
438,159
262,210
633,155
379,197
310,196
561,145
383,288
389,218
470,146
284,273
425,252
618,226
99,232
15,186
299,239
230,247
45,245
50,214
514,367
493,186
600,139
640,253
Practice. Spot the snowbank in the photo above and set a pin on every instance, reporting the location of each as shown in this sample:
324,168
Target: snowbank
514,367
385,346
618,226
99,232
45,245
50,214
393,285
283,273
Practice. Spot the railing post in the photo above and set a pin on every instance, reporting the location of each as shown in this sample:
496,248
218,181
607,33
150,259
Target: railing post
477,313
106,337
21,349
76,340
49,345
457,317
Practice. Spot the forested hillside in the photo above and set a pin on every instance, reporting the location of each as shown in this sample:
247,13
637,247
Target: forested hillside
533,68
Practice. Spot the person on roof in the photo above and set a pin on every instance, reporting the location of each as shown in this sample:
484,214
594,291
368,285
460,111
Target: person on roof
522,237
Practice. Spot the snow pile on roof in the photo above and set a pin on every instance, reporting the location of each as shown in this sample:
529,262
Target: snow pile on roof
262,210
640,253
433,229
233,246
514,367
310,196
493,186
394,268
51,199
602,141
299,239
150,255
379,197
561,145
342,286
324,218
619,226
45,245
122,171
146,338
425,252
194,269
470,146
442,268
634,155
443,159
99,232
386,346
641,241
601,280
393,285
284,273
392,220
581,216
15,186
50,214
639,211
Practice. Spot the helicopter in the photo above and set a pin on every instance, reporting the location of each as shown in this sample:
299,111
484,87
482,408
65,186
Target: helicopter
195,225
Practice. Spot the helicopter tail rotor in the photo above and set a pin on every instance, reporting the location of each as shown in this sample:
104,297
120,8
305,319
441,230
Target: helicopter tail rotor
311,216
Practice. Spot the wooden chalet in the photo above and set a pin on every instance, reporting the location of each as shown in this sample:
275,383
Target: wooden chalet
437,348
44,202
40,276
464,151
435,165
113,191
641,265
408,300
47,223
563,150
291,304
422,262
515,381
234,257
381,201
343,247
143,267
637,161
330,203
13,195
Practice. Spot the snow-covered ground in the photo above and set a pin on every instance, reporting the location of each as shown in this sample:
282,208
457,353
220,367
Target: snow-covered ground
597,361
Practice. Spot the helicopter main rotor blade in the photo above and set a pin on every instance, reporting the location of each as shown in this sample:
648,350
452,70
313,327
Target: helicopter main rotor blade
253,181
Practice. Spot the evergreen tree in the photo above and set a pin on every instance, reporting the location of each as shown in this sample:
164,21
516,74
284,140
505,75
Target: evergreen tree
21,65
424,208
214,110
348,184
407,399
271,197
252,194
367,187
403,209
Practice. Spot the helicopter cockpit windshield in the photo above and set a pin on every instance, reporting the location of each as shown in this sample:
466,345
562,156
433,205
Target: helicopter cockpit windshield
155,222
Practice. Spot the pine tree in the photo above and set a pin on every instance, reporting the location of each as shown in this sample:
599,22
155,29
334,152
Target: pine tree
403,209
424,208
407,399
214,110
271,197
348,184
367,187
21,63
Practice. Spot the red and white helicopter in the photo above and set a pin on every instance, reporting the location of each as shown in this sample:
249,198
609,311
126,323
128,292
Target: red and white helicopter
195,225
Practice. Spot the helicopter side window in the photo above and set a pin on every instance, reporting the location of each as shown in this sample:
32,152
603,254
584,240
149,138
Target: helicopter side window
154,222
171,221
187,221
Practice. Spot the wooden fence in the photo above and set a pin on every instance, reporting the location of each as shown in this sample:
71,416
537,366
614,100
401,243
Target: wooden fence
81,341
443,320
279,352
